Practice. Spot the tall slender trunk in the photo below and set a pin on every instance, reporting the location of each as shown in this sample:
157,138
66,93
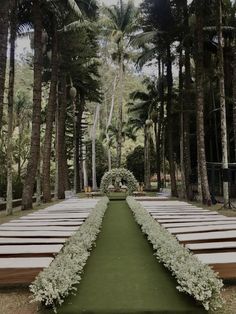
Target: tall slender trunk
36,117
50,117
224,142
79,134
170,123
120,112
157,130
200,105
186,105
10,106
109,123
61,119
234,98
181,105
94,176
85,173
4,18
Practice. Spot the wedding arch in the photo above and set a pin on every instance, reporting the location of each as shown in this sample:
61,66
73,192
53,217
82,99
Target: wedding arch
117,175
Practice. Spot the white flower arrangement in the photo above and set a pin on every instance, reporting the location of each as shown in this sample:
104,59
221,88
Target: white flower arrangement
193,277
54,283
118,173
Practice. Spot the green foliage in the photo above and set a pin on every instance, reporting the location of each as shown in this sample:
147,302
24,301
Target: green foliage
135,162
117,175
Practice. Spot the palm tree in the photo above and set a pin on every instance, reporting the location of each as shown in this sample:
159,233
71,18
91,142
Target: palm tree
36,117
13,27
120,24
50,116
4,19
222,104
200,103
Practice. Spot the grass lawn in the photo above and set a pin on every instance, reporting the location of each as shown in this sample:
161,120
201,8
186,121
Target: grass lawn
123,276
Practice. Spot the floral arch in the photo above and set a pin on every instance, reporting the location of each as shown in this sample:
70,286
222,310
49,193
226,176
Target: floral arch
116,175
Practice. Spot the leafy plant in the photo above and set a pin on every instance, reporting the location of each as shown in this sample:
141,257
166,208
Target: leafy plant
119,174
193,277
55,283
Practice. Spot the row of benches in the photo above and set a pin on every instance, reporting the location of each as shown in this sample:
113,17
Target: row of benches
30,243
209,235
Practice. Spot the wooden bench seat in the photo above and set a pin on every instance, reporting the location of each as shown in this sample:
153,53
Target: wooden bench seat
198,223
191,219
223,263
12,241
21,270
38,228
209,247
43,223
29,250
34,234
201,229
219,236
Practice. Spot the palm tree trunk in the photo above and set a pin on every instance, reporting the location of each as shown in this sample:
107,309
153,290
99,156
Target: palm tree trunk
200,106
29,183
61,119
50,117
94,176
109,123
120,112
181,104
79,134
186,105
4,18
224,143
234,98
170,123
10,106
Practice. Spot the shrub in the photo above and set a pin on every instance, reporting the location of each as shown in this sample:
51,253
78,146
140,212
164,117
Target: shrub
193,277
54,283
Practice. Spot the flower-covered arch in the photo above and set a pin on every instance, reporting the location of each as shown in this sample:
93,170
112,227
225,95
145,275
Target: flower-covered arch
119,174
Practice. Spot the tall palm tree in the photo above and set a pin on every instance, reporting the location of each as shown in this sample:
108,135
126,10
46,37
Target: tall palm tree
200,103
50,116
120,24
224,139
36,117
13,28
4,19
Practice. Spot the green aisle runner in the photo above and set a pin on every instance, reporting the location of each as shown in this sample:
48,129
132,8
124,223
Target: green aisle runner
123,276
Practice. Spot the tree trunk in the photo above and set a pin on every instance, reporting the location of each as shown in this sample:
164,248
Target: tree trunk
120,112
94,176
147,171
186,105
224,143
10,106
181,105
36,117
200,106
61,116
79,114
50,117
109,123
4,19
170,123
234,98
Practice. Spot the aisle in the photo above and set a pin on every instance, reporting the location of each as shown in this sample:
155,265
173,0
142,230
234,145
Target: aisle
123,276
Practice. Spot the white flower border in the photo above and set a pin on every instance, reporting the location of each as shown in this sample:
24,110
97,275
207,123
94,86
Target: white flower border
54,283
193,277
123,173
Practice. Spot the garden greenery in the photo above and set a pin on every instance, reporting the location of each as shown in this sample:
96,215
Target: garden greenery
193,277
116,175
54,283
